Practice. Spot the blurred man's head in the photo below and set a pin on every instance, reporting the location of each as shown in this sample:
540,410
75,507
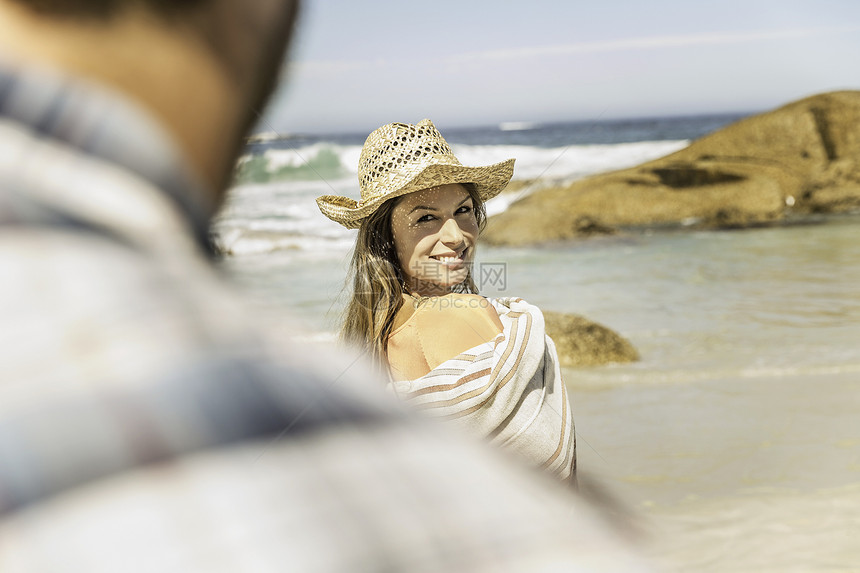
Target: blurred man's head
205,68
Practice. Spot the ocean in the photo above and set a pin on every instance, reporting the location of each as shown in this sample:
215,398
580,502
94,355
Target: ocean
735,440
272,208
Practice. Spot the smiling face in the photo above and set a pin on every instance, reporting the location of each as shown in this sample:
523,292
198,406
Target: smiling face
435,231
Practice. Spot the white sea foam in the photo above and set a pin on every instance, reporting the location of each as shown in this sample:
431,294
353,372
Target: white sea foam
297,157
517,126
567,163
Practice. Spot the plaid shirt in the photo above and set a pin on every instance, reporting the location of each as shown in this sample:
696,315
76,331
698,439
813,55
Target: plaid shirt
146,425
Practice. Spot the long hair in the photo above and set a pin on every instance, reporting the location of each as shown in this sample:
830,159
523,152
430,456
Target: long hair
378,283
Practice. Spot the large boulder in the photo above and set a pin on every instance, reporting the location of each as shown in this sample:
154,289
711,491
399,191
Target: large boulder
799,159
581,342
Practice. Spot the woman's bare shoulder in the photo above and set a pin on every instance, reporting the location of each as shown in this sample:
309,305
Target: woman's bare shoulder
451,324
464,306
446,310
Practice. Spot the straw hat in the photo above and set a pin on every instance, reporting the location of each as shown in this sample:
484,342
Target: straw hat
399,158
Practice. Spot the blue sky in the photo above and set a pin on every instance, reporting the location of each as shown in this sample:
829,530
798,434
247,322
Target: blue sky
356,65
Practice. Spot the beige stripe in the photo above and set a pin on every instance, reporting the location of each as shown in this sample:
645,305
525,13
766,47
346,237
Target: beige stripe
469,358
509,349
512,371
563,427
484,355
455,415
501,384
443,373
493,375
446,387
478,391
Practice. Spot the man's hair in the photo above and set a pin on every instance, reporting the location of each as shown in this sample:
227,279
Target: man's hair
103,9
225,28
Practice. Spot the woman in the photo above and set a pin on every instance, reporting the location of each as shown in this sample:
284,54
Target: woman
485,364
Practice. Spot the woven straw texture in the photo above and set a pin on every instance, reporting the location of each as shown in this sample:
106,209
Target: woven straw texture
399,158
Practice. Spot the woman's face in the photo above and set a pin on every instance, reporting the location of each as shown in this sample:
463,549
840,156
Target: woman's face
434,238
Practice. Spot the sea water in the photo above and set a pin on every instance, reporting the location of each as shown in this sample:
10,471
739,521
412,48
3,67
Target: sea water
735,441
272,208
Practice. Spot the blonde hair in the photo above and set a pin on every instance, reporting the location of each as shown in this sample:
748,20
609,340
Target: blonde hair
378,283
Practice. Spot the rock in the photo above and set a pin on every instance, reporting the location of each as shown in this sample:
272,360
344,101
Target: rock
801,158
581,342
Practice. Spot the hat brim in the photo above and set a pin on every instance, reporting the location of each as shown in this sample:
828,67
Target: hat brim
489,180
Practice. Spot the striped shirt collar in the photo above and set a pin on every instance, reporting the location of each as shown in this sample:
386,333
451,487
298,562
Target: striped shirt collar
104,125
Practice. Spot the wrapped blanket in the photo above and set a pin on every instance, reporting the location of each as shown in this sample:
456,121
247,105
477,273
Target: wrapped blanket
508,390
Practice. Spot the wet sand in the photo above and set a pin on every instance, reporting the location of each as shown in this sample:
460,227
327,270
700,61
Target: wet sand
732,474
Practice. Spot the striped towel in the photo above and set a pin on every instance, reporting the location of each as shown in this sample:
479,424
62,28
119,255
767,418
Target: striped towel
508,390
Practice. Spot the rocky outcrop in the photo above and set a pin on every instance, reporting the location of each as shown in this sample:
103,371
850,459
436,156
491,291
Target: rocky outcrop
581,342
799,159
